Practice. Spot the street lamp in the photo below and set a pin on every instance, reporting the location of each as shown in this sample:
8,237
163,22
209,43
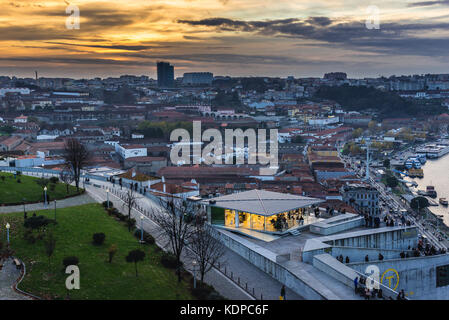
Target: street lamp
7,231
45,196
107,196
194,263
141,228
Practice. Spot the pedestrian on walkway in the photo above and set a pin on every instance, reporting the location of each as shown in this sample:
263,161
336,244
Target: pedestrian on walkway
356,284
283,292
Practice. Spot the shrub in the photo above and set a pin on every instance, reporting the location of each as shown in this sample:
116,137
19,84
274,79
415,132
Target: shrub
168,260
202,291
112,211
105,204
69,261
54,180
98,238
36,222
19,181
148,238
52,187
131,222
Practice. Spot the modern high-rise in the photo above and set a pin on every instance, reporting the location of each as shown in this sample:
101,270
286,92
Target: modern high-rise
165,74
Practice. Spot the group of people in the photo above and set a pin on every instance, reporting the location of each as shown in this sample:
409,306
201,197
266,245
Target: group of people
380,257
340,258
364,291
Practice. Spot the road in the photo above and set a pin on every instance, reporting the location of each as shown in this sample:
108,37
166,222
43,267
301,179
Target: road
394,203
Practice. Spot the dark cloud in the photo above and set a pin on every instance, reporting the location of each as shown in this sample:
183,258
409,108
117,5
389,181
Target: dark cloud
393,38
428,3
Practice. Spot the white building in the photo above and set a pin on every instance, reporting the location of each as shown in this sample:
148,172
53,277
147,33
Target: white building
4,91
130,150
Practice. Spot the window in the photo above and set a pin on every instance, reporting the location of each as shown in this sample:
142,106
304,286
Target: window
442,276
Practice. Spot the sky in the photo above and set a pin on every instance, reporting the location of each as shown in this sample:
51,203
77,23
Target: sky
226,37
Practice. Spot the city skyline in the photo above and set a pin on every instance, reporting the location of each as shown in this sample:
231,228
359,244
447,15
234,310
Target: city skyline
226,37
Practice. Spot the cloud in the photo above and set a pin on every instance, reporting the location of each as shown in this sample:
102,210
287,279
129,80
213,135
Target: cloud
428,3
394,38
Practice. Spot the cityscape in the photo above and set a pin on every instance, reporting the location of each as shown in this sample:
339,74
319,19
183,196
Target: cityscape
186,180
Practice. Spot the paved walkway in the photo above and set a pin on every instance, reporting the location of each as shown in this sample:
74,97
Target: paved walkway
8,276
69,202
255,278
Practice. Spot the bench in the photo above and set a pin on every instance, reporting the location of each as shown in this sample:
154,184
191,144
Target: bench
17,263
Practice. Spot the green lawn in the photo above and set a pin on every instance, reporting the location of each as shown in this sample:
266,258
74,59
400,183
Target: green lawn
99,279
12,192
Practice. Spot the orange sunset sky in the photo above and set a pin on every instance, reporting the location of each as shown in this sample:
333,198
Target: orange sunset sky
226,37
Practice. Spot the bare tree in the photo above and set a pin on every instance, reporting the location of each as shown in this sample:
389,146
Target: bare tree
76,155
173,216
207,250
129,201
66,176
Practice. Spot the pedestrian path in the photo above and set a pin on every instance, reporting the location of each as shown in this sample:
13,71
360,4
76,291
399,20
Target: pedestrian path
8,277
69,202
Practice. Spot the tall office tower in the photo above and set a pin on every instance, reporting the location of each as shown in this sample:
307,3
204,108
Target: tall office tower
165,74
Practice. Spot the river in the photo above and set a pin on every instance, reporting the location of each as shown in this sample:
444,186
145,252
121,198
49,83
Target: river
436,173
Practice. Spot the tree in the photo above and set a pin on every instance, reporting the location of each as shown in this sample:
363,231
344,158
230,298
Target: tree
66,176
129,202
173,216
135,256
50,244
357,133
419,203
76,155
207,249
392,182
111,252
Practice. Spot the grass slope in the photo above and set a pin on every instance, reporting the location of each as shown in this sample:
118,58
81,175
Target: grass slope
98,278
13,192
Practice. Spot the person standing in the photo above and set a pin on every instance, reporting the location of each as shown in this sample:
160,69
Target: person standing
356,284
283,292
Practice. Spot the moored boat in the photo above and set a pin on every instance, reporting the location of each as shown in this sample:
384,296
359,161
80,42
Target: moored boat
443,201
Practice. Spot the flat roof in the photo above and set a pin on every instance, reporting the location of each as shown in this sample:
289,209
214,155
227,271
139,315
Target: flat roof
262,202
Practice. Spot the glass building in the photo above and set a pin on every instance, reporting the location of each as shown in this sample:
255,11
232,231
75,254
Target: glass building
261,210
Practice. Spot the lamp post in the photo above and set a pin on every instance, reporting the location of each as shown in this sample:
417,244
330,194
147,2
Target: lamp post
194,263
7,232
45,196
141,228
55,210
107,196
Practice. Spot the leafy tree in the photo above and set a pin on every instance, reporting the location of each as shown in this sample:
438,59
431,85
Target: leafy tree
419,203
135,256
392,181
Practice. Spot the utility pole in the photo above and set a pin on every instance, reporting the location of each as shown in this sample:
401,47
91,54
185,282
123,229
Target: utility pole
367,160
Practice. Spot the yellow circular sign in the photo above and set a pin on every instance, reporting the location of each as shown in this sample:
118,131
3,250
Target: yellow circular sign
389,278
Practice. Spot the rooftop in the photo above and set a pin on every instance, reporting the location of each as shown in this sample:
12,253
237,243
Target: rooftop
262,202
